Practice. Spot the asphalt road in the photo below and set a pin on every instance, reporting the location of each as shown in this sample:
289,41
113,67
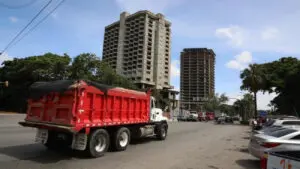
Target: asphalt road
190,145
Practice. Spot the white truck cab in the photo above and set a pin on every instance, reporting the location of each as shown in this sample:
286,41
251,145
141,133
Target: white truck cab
156,113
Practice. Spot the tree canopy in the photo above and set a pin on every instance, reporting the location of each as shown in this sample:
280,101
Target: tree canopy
253,79
216,102
244,106
22,72
282,77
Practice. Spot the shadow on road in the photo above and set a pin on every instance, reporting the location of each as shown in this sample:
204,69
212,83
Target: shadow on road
248,163
38,153
243,150
246,138
142,140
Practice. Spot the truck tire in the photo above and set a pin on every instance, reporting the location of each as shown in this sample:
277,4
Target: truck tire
161,131
121,139
51,143
98,143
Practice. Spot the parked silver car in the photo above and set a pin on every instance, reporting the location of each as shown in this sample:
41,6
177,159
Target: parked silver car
275,124
284,139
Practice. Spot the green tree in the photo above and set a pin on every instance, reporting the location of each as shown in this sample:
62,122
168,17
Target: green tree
104,74
253,80
215,102
22,72
84,66
89,66
245,106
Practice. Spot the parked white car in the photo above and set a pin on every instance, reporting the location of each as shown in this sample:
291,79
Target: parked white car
284,139
284,122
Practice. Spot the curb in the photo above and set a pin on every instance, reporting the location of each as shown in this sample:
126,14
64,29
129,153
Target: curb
4,112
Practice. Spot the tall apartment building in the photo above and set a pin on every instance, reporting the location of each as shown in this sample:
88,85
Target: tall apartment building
197,77
138,47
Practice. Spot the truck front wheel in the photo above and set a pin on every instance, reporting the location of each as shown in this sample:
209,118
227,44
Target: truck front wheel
98,143
162,131
121,139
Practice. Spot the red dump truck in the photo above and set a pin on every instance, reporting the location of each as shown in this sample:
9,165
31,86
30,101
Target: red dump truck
91,117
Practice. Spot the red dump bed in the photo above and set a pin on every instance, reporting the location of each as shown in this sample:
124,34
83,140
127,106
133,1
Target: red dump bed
84,104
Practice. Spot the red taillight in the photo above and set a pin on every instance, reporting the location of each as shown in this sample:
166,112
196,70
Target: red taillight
270,145
264,161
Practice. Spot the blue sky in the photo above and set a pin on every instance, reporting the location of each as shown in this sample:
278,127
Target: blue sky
240,32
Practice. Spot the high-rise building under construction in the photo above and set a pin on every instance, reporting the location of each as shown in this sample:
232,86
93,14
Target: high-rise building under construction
197,77
138,47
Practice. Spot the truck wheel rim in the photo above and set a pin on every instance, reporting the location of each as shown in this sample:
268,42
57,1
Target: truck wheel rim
101,144
123,139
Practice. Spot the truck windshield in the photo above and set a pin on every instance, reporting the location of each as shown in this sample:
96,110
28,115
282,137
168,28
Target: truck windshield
152,103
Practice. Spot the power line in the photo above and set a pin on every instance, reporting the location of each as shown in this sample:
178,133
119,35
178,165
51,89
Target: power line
35,26
7,46
17,6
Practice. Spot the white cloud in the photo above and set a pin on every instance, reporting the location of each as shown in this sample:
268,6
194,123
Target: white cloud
244,57
13,19
235,35
263,99
269,33
175,68
233,64
5,57
280,38
152,5
241,61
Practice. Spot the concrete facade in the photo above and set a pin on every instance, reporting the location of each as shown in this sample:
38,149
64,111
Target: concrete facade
138,47
197,77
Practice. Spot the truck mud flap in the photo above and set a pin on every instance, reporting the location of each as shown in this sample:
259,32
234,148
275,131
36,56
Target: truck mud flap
79,141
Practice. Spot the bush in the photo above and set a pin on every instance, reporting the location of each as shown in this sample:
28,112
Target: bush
245,122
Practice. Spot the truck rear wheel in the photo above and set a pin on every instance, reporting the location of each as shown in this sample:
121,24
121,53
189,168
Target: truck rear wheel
98,143
162,131
121,139
51,143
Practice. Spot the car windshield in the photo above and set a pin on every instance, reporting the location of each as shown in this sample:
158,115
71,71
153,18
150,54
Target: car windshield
281,133
272,129
270,123
294,122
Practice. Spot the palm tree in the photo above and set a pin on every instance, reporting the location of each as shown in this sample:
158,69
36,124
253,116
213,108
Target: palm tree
244,106
253,81
215,103
249,104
